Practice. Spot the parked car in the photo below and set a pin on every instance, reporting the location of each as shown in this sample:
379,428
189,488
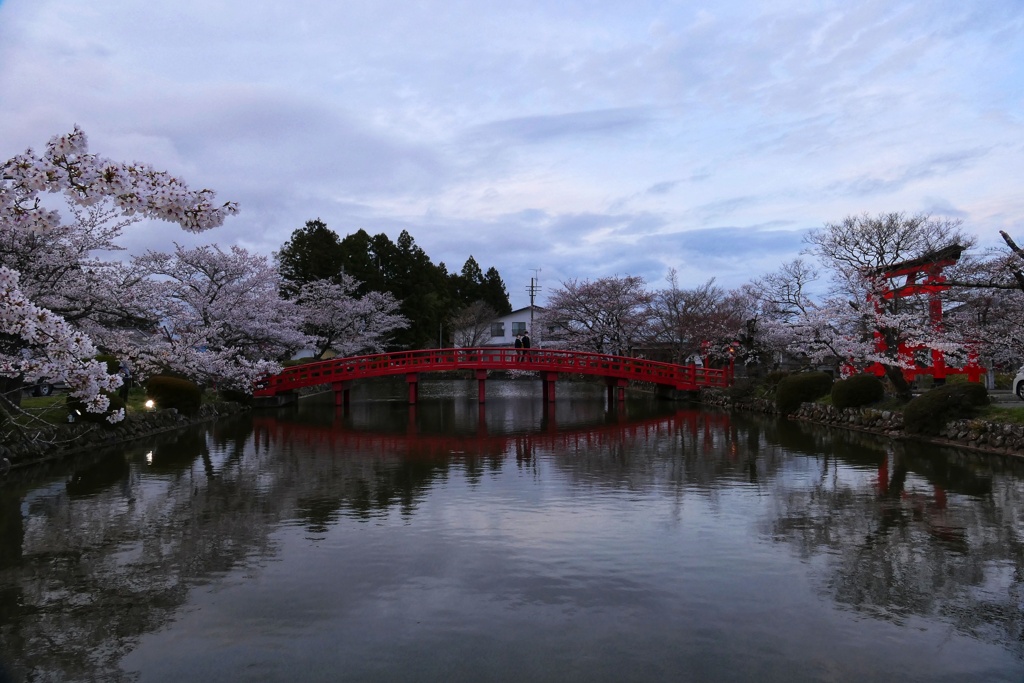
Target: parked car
1018,384
44,387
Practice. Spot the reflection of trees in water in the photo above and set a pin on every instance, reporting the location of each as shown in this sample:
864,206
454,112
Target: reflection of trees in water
111,552
907,530
696,450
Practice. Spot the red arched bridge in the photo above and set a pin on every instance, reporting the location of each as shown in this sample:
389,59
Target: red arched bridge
618,371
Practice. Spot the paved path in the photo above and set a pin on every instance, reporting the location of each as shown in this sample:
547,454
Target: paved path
1005,398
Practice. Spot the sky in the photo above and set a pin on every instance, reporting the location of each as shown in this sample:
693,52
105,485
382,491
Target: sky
568,140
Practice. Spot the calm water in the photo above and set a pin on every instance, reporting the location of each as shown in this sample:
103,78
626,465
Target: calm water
513,543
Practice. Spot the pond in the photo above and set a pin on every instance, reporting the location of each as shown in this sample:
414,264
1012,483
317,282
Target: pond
513,541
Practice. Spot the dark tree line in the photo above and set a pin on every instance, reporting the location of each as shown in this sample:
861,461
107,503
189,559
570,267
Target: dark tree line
430,296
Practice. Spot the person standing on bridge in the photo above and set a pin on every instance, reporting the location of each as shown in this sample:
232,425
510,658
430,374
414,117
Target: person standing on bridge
519,348
526,345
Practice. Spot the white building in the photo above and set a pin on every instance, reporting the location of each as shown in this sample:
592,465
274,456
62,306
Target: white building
503,329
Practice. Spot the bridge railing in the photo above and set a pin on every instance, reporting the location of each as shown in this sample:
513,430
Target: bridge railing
491,358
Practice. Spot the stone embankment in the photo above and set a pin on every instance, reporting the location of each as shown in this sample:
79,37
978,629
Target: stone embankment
978,435
56,442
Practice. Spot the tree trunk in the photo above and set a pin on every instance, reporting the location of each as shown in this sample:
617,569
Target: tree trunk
895,375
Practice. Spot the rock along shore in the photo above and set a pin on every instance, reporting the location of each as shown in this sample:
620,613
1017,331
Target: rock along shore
975,435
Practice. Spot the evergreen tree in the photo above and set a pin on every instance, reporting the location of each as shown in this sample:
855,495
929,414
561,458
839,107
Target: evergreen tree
427,293
314,252
473,285
422,289
494,293
361,262
469,283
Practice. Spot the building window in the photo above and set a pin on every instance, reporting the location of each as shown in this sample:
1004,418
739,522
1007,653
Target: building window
497,329
518,328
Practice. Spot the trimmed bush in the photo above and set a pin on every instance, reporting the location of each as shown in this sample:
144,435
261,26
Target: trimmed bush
173,392
76,407
857,391
928,413
801,388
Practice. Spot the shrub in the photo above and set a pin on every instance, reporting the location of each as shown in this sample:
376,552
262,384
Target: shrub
857,391
173,392
741,390
799,388
772,379
928,413
113,364
76,407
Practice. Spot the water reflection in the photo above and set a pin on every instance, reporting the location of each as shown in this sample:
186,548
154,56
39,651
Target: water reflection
98,559
911,530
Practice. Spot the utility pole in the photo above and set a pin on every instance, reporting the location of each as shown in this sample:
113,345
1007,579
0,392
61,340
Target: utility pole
532,290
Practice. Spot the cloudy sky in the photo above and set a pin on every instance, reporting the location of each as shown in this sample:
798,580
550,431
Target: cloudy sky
579,139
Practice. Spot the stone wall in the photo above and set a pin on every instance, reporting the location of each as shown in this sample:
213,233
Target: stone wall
886,422
978,435
987,436
719,399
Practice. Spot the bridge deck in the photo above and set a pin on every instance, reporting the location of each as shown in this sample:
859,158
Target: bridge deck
412,363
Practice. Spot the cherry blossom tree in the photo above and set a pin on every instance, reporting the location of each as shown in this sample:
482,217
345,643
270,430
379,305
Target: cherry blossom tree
609,315
704,320
221,316
337,319
991,298
52,348
995,323
472,324
788,318
859,251
860,321
62,270
37,342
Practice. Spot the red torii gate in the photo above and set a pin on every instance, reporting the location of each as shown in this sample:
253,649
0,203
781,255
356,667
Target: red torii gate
923,276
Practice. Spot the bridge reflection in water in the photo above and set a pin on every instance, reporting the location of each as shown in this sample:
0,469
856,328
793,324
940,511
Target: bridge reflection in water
706,427
713,445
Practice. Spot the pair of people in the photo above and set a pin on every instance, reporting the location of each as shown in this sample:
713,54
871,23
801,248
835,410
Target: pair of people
523,345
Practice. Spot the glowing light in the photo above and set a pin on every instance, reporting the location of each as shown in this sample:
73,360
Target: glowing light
150,404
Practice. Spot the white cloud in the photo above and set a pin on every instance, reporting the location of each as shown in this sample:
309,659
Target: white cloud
583,138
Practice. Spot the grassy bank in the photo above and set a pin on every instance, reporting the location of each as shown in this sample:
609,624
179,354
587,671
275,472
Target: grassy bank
52,410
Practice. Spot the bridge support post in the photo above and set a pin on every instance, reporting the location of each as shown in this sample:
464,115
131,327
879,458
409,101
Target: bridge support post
481,383
616,389
412,379
549,378
342,393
